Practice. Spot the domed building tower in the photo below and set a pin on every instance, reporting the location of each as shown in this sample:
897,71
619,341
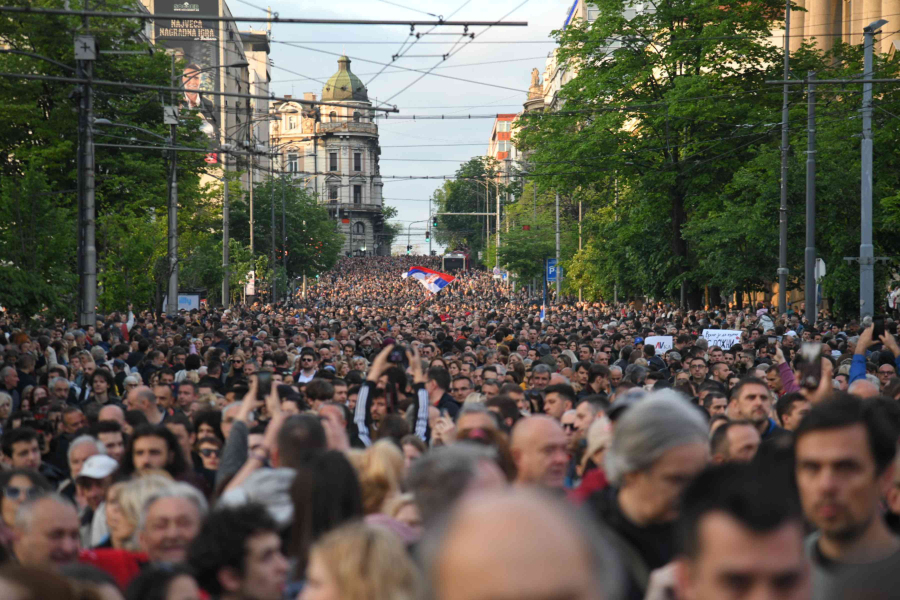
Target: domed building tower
333,151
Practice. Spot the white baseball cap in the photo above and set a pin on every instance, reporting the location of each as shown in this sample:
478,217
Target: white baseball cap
99,466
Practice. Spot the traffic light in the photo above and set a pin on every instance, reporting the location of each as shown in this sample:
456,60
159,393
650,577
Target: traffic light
409,250
427,236
434,222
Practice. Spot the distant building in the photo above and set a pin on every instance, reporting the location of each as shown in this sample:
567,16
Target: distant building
333,151
501,147
217,57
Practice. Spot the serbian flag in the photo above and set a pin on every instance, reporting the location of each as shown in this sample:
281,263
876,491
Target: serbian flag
434,281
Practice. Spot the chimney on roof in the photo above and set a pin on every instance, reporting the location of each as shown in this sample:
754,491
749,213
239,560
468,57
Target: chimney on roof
309,96
288,96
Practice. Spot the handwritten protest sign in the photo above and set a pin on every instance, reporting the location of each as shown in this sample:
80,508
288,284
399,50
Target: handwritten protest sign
723,338
661,343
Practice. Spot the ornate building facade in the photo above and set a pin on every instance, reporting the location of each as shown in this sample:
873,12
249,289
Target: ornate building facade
828,20
333,151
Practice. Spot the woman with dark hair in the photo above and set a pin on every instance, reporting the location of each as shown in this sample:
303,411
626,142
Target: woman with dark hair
326,494
163,582
17,486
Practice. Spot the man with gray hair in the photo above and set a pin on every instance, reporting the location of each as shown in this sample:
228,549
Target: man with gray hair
9,381
659,445
445,474
47,532
170,520
80,449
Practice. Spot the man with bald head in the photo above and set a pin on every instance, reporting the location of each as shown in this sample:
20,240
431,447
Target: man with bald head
504,545
539,449
141,398
112,412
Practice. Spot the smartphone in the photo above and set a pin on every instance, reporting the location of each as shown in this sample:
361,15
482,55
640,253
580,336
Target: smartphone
877,328
263,385
811,365
772,342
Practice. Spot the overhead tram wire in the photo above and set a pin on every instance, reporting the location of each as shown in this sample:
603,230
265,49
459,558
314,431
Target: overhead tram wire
451,53
493,85
275,18
478,64
404,49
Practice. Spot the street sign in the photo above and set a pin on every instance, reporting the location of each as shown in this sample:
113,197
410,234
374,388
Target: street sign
552,269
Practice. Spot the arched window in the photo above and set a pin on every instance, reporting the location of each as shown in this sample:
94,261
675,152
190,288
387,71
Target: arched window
356,116
333,116
359,228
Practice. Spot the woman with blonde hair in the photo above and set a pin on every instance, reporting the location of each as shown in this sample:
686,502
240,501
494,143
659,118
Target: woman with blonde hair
361,562
380,470
124,503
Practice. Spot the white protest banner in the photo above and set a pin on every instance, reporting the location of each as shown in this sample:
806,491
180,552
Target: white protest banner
662,343
723,338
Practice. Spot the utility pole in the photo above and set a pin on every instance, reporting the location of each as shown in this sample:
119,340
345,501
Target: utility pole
497,244
304,271
866,249
172,296
432,233
558,268
86,54
226,255
579,241
284,235
810,254
252,247
274,262
785,147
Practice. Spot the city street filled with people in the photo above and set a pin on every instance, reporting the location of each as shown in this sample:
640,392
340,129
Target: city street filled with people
370,439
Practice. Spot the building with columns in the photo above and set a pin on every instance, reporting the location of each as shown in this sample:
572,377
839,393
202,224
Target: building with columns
333,151
828,20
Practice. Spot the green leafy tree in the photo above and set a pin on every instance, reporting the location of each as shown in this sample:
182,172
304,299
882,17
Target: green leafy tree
665,107
475,189
312,244
40,132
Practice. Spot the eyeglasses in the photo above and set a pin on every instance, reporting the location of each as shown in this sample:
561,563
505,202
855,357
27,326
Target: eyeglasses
568,426
886,371
207,452
17,493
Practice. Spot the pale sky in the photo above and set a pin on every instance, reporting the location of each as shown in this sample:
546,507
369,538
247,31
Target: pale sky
431,95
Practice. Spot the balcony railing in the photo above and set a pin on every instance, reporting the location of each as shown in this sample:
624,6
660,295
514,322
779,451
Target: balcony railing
344,205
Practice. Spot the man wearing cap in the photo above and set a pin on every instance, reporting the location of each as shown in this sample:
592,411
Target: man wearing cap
91,486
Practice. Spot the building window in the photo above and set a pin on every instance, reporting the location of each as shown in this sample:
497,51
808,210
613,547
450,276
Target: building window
357,161
503,146
359,229
592,13
356,116
292,122
332,161
503,126
357,194
292,163
332,192
332,116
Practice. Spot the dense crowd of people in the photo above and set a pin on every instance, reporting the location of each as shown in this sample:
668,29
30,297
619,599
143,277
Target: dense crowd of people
379,442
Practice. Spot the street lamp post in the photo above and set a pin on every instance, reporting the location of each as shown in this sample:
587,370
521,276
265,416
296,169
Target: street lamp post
866,249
